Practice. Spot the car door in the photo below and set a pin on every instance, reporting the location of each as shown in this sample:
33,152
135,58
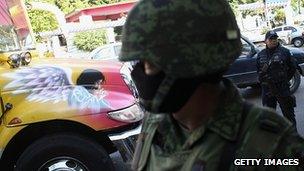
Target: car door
243,71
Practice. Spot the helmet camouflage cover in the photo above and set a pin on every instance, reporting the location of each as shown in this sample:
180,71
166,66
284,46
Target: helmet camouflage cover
183,38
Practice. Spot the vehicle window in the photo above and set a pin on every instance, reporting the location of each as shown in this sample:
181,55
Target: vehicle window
8,39
277,29
294,30
103,53
246,49
290,28
117,49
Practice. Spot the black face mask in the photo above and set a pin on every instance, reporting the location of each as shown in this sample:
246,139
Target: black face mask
146,85
180,92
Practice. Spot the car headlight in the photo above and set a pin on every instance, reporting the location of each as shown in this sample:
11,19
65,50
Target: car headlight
26,58
14,60
125,72
130,114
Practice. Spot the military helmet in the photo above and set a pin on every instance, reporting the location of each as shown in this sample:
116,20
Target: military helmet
183,38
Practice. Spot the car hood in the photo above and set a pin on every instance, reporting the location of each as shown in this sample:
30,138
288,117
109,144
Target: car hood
68,70
51,89
298,54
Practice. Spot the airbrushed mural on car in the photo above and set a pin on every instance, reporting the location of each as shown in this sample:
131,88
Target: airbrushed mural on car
53,84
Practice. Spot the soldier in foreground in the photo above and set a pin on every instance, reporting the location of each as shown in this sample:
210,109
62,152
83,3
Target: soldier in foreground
196,119
275,68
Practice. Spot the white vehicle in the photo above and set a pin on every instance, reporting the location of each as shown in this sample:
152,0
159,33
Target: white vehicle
109,51
290,35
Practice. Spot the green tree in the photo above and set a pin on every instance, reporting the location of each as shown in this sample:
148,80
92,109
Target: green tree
297,4
71,5
234,5
279,17
42,20
89,40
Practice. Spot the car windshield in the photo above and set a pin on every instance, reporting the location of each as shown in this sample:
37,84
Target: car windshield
8,39
108,52
8,35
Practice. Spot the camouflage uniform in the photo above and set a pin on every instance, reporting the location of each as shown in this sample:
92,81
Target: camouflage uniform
256,133
187,40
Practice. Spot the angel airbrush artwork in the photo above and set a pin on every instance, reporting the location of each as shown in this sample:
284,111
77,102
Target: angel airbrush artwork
50,83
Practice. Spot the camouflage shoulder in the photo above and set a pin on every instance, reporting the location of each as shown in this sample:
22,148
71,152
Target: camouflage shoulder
262,132
290,143
267,119
291,146
271,121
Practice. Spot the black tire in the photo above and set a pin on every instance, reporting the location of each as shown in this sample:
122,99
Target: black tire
298,42
56,148
295,82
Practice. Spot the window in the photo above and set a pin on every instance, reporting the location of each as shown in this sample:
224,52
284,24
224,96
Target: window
277,29
290,28
246,48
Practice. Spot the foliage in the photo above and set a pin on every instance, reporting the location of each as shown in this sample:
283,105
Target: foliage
248,1
279,17
71,5
45,21
88,41
296,4
234,4
264,30
42,20
101,2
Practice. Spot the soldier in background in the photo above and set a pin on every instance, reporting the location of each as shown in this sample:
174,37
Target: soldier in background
276,67
196,119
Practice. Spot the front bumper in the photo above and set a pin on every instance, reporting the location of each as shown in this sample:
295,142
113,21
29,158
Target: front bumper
125,142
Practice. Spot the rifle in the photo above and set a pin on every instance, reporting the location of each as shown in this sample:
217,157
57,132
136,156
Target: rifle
266,79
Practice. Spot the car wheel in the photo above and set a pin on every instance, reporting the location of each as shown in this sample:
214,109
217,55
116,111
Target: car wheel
298,42
64,152
295,82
